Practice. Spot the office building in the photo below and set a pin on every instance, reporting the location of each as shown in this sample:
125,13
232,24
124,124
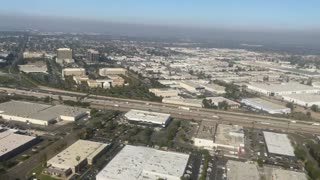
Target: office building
92,55
73,72
34,67
73,158
28,54
112,71
64,55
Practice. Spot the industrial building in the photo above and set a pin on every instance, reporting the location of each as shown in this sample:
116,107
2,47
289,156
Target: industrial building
306,100
229,138
205,135
164,92
92,55
112,71
147,117
281,174
76,156
34,67
183,101
278,145
281,89
237,170
216,100
40,114
137,163
12,144
267,106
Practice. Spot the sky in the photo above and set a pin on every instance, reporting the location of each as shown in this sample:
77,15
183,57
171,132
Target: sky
232,14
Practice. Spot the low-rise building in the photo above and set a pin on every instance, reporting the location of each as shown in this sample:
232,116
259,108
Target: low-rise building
306,100
73,72
267,106
237,170
272,89
80,79
73,158
214,88
281,174
12,144
112,71
147,117
29,54
137,163
216,100
229,138
278,145
40,114
183,101
164,92
205,135
34,67
116,80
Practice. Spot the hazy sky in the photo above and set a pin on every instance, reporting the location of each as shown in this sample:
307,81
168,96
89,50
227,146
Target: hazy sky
243,14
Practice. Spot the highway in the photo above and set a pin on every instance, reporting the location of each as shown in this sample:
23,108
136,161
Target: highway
187,113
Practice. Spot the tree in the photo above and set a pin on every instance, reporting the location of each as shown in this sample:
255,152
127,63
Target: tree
290,105
315,108
78,159
308,114
223,105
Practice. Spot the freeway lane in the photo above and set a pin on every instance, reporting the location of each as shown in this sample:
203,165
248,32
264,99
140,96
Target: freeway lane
226,117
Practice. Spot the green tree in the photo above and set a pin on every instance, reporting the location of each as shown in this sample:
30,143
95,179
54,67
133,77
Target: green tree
315,108
290,105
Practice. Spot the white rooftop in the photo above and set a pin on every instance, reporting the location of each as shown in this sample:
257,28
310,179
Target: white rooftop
138,163
278,143
147,116
237,170
230,135
281,174
290,86
68,157
10,141
264,103
308,98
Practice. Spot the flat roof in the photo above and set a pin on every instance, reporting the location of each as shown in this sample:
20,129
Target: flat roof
281,174
281,87
231,135
39,111
21,108
309,98
278,143
206,130
136,162
147,116
68,158
10,141
264,103
237,170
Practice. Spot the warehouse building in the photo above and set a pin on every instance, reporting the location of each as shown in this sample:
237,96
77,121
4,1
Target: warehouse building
237,170
40,114
137,163
281,174
214,88
306,100
164,92
267,106
278,145
229,138
147,117
12,144
76,156
282,89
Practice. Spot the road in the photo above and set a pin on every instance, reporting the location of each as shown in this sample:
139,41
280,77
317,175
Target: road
193,113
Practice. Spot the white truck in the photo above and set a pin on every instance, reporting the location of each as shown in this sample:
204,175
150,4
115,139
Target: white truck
184,108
